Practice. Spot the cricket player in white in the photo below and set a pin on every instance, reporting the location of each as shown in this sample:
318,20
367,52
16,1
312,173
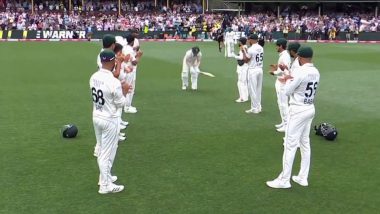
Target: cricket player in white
293,48
301,88
108,95
229,43
131,76
279,72
255,58
242,71
191,62
121,73
108,44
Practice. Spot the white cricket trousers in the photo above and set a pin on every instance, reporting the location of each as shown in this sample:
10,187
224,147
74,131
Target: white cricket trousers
255,84
297,133
194,72
242,82
229,48
107,136
131,80
282,101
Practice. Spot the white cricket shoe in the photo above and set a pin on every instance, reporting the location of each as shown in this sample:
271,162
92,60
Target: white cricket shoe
184,87
125,123
282,129
241,100
278,184
279,125
300,181
252,111
96,151
122,126
130,109
111,188
113,179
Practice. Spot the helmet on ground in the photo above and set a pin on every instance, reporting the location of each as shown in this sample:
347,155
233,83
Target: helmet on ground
69,131
326,130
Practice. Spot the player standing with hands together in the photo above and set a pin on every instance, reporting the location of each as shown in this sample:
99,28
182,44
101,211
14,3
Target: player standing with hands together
301,86
241,70
278,70
108,96
255,57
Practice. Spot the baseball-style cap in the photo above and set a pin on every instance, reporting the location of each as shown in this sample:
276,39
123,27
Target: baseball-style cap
107,56
129,37
108,40
305,52
281,42
253,36
243,40
195,50
294,46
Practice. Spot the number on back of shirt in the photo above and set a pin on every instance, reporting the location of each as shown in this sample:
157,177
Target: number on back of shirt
311,89
97,98
259,58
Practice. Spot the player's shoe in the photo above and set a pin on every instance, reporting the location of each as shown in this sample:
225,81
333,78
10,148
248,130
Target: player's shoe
125,123
278,184
122,138
282,129
96,151
113,179
300,181
279,125
240,100
130,109
111,188
184,87
252,111
122,127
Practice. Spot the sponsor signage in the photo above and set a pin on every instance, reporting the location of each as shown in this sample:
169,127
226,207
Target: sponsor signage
55,34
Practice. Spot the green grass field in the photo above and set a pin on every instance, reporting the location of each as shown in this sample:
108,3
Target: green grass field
186,152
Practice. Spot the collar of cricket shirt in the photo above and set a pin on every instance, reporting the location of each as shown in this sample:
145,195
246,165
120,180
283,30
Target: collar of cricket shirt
105,71
282,52
309,64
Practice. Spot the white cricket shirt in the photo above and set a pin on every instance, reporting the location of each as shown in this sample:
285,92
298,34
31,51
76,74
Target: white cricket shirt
241,56
256,55
98,62
284,58
107,95
190,60
121,40
303,87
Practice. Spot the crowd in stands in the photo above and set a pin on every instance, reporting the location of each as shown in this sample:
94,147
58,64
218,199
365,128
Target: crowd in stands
143,15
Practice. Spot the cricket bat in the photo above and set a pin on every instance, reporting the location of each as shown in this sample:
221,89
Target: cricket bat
207,74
